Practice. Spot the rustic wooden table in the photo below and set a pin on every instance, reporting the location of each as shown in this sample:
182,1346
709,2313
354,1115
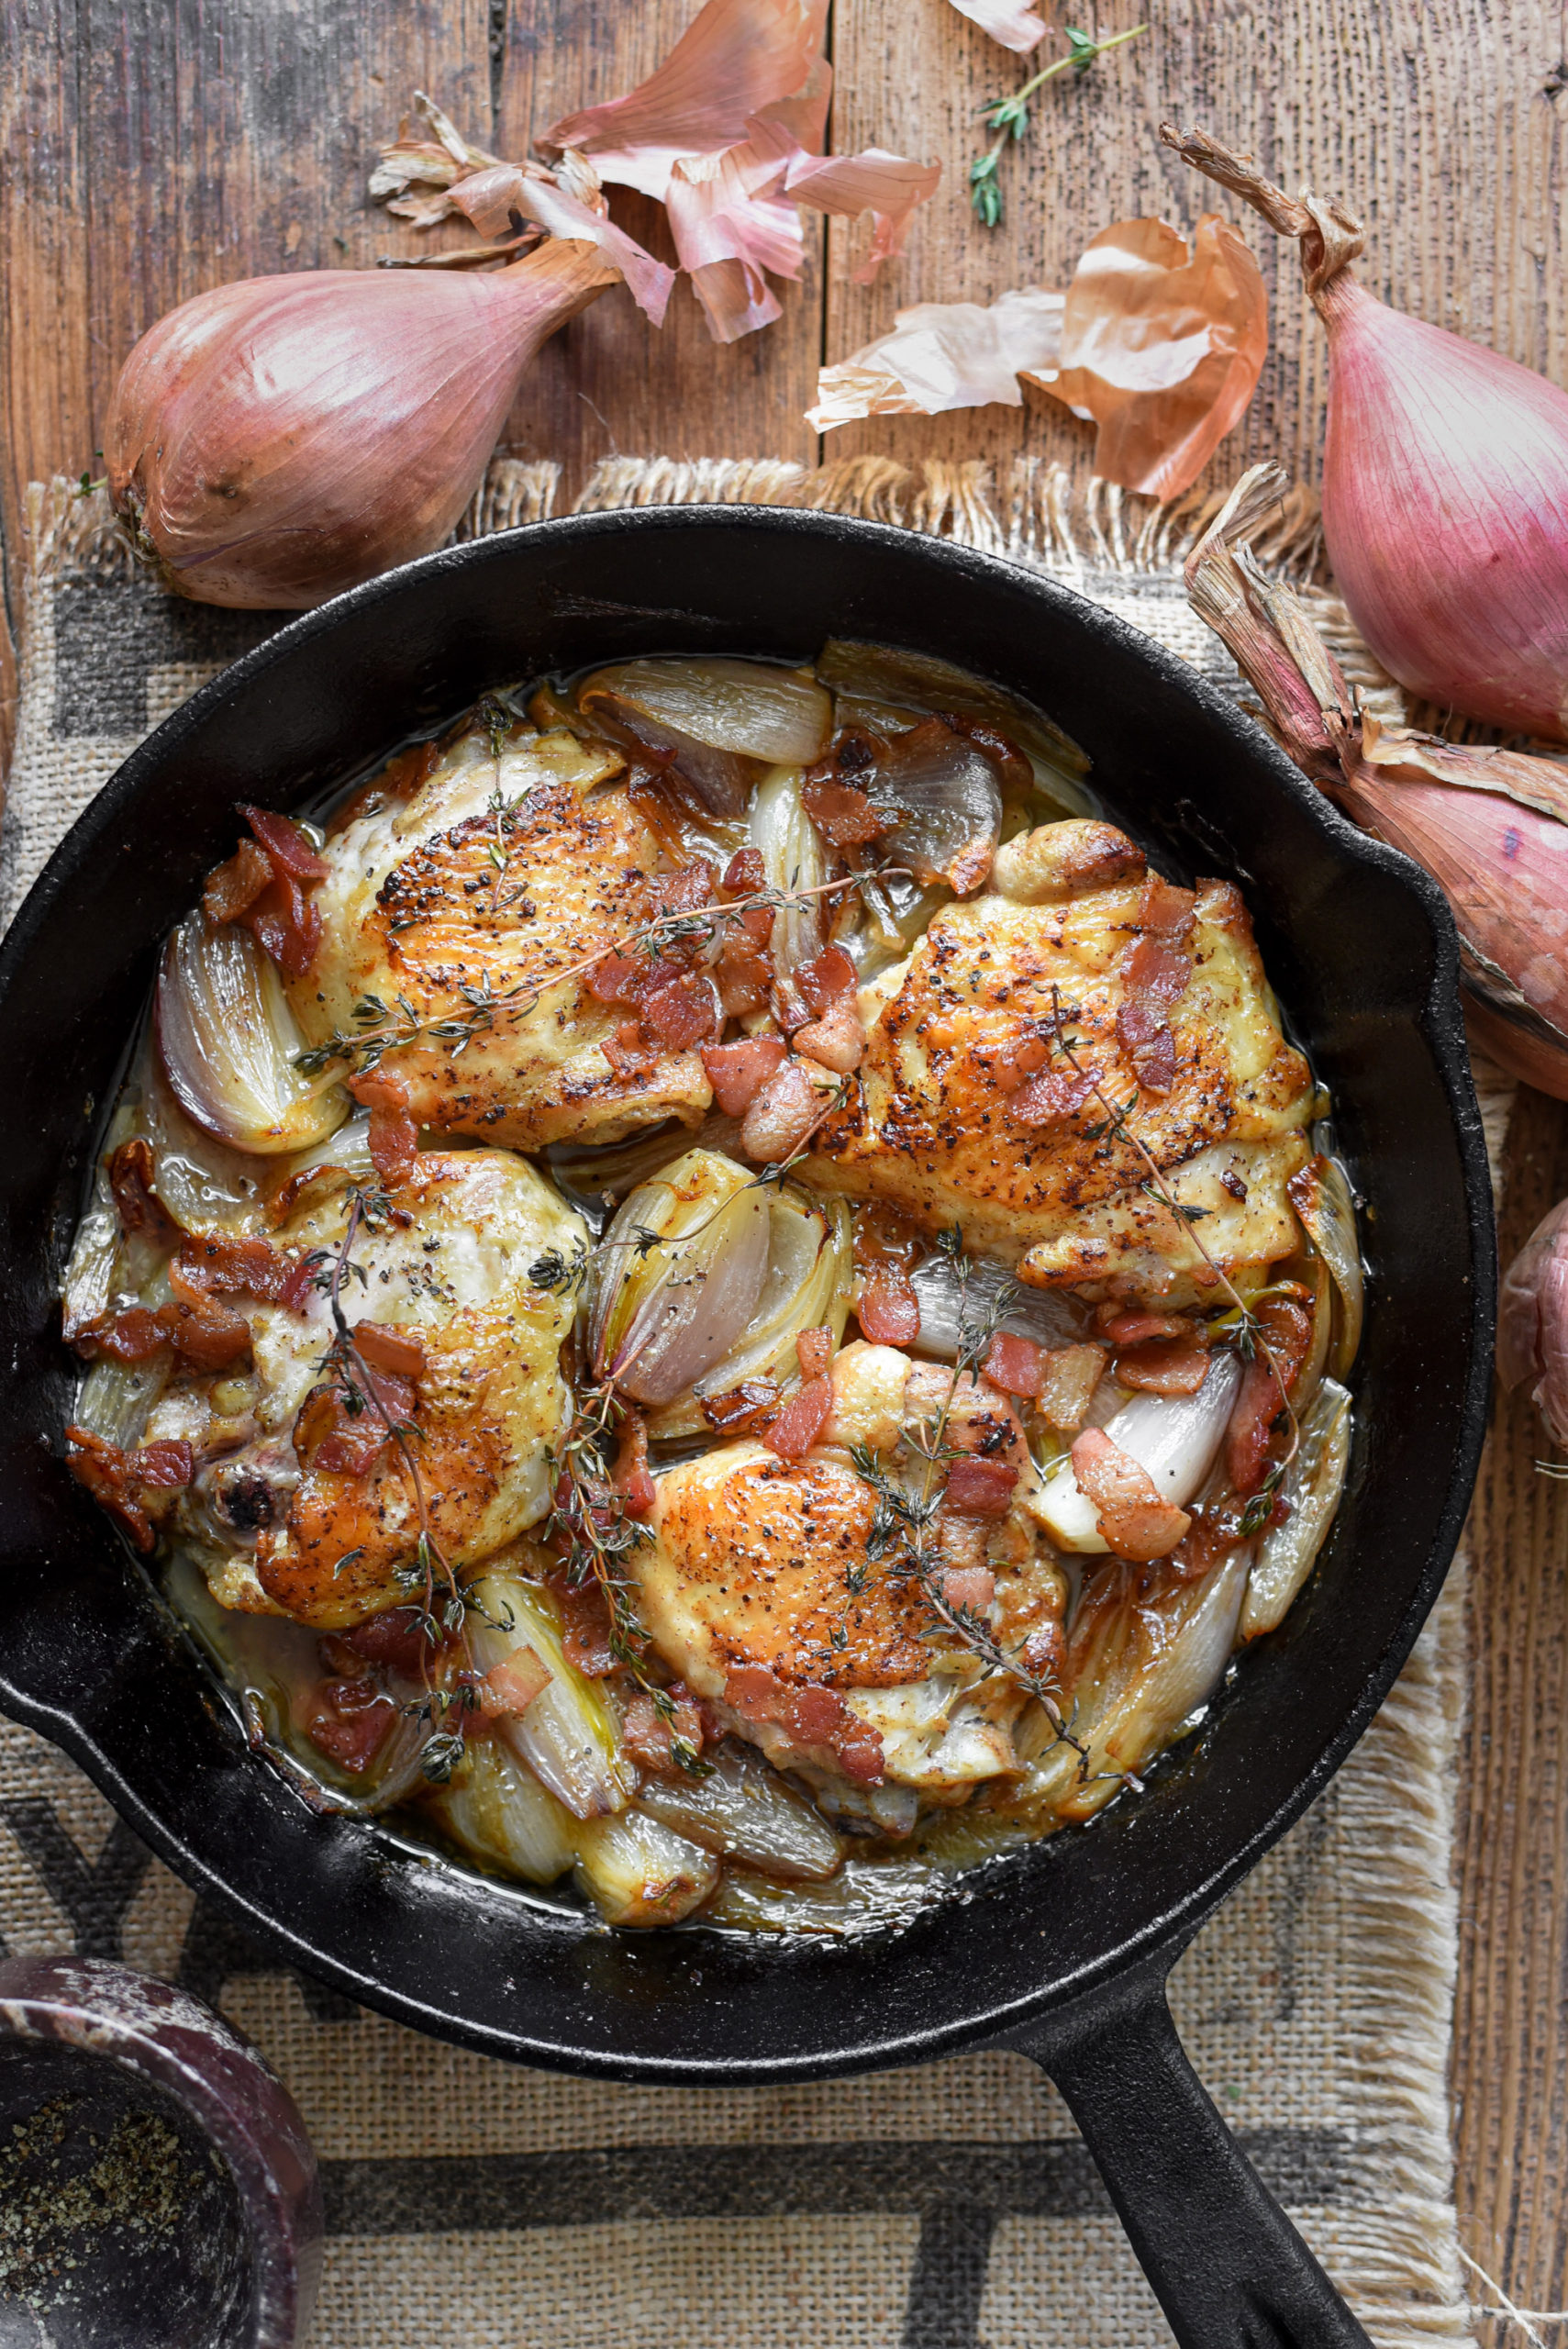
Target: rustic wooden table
152,148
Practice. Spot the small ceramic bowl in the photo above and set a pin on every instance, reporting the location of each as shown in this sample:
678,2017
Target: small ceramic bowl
157,2188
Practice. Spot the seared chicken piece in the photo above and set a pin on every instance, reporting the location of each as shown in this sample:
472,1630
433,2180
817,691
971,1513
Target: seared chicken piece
762,1589
967,1109
497,872
276,1527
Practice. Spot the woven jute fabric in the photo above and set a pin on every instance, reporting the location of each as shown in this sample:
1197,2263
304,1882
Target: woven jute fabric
935,2208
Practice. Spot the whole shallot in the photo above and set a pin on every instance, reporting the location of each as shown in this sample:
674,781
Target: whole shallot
1490,826
1533,1322
273,442
1445,481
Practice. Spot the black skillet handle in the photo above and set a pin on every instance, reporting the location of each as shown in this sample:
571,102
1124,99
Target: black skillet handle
1229,2269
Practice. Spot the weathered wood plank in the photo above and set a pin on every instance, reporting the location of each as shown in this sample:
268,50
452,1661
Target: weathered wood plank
611,384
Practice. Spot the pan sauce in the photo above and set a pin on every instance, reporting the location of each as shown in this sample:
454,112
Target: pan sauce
543,1398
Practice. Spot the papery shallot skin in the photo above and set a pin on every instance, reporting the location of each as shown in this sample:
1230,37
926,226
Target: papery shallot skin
1533,1322
273,442
1455,570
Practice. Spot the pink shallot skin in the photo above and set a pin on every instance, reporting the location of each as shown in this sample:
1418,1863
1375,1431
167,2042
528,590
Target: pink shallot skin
1533,1322
1445,512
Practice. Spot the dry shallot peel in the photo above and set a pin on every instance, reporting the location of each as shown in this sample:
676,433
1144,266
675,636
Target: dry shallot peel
275,441
1445,481
1158,343
1490,826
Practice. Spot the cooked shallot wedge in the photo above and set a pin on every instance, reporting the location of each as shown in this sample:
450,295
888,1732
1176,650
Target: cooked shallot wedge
743,1808
721,723
228,1043
1176,1438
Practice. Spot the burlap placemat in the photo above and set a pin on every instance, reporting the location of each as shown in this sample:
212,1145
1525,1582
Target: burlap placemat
505,2208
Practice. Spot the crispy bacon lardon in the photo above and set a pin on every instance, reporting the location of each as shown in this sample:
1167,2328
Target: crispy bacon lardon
953,1119
427,896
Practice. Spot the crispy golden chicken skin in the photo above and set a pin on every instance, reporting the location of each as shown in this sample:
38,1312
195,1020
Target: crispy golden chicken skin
277,1528
497,872
759,1572
934,1126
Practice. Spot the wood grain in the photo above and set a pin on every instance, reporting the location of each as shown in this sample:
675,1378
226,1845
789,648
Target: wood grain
151,148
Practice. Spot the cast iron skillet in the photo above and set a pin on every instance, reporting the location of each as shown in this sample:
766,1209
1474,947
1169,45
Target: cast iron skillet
1063,1952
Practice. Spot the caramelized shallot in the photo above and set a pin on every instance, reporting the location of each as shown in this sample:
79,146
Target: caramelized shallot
228,1043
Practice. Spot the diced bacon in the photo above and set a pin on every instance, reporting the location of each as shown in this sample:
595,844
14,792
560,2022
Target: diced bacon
586,1629
889,1310
352,1725
328,1435
286,924
745,874
737,1072
131,1336
781,1116
615,978
859,1755
288,848
1133,1519
968,1589
1009,1064
628,1051
684,1012
1044,1652
206,1334
633,1478
844,816
133,1171
1048,1098
688,890
812,1715
394,1144
1139,1022
741,1410
513,1684
1287,1337
121,1481
396,1638
297,1291
232,886
385,1346
227,1266
1146,1038
1124,1325
648,1739
1176,1368
802,1419
744,977
1013,1364
837,1042
814,1349
1165,910
352,1448
980,1487
828,979
1160,972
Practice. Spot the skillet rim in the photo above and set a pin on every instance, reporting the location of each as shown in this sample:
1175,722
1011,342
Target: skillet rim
1437,1021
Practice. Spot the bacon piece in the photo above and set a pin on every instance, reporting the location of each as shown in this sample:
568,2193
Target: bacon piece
131,1336
585,1626
802,1420
513,1685
1010,1063
1161,972
122,1481
295,1292
133,1171
1144,1034
687,891
1132,1517
741,1410
814,1349
889,1309
745,874
206,1334
968,1589
1176,1367
218,1263
1048,1098
782,1115
1164,910
737,1072
286,924
813,1715
616,978
837,1042
232,886
828,979
288,848
683,1011
352,1724
629,1051
843,814
744,975
329,1436
396,1638
1044,1652
633,1479
1132,1325
648,1739
393,1139
980,1487
1287,1335
387,1346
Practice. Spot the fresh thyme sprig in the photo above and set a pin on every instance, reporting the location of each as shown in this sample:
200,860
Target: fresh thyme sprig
379,1028
596,1534
1009,116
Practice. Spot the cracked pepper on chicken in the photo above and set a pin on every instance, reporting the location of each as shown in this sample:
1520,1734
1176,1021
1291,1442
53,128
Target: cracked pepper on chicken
713,1284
